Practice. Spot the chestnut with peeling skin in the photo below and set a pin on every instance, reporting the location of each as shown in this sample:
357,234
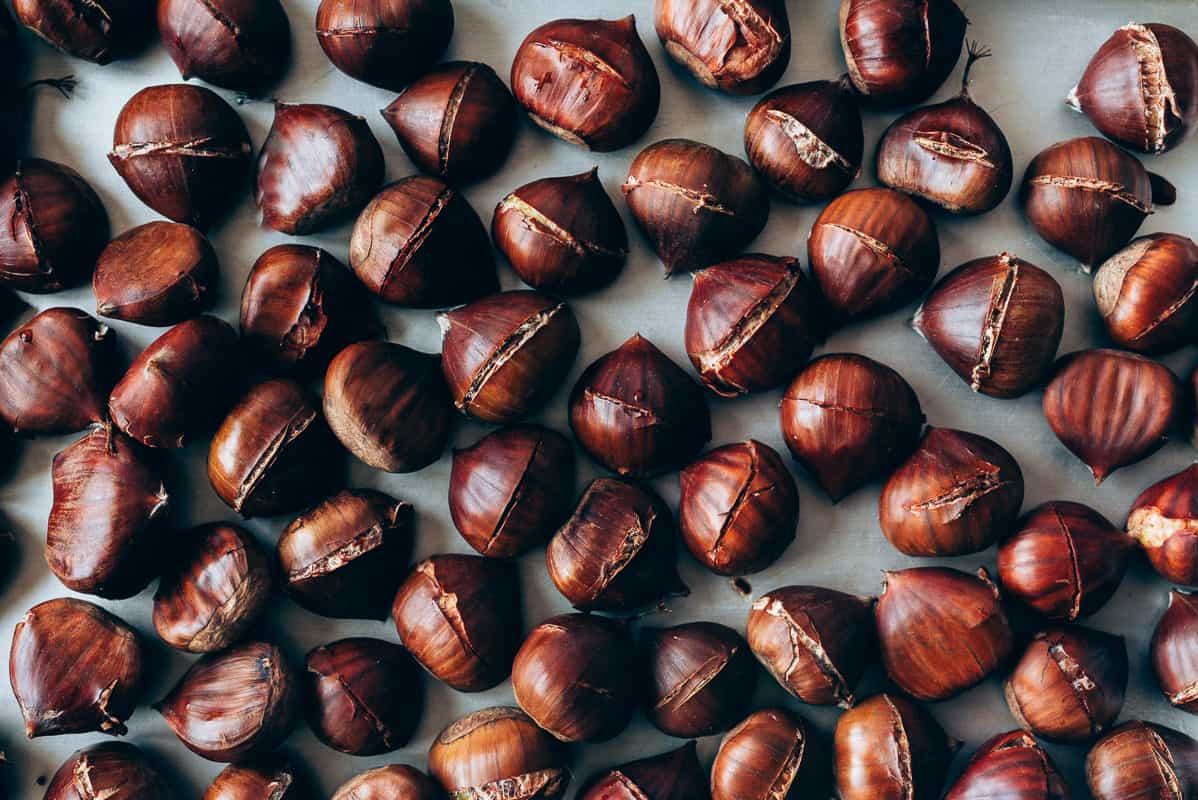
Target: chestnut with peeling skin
112,770
160,273
272,778
739,47
702,678
1145,293
100,32
385,43
771,754
888,748
498,752
235,44
392,782
1010,765
1142,759
676,775
1173,652
1164,520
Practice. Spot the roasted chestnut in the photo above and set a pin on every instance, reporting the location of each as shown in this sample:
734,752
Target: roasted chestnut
97,31
1145,293
504,355
236,44
265,779
589,82
741,47
1164,520
460,617
393,782
74,668
111,770
1010,765
1174,658
160,273
1142,759
498,752
697,205
676,775
317,165
771,754
701,678
385,43
849,420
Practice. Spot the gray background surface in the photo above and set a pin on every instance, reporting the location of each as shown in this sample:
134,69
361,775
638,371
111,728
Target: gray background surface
1041,48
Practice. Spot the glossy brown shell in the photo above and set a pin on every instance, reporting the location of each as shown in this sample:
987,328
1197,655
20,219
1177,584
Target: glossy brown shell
888,747
1114,766
100,32
702,677
116,771
1145,293
235,44
739,47
160,273
772,753
1012,766
385,43
1174,651
1164,520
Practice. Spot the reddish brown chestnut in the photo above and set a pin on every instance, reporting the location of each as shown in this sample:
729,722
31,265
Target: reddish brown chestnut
112,770
272,778
1174,657
160,273
1010,765
702,678
97,31
385,43
235,44
676,775
739,47
498,752
1145,293
1164,520
393,782
1142,759
771,754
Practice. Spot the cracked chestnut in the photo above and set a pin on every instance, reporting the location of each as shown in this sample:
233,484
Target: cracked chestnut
271,778
1145,293
235,44
1011,765
1144,759
702,677
100,31
1164,520
889,747
385,43
771,754
498,751
111,770
160,273
392,782
1174,653
675,775
739,47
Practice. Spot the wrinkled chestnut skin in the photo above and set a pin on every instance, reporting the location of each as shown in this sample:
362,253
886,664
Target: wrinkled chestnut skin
1141,87
52,227
419,244
385,43
1012,766
816,642
772,753
392,782
55,373
589,82
871,251
739,47
1143,759
616,552
271,778
751,323
160,273
806,139
234,705
1092,387
637,413
411,428
107,523
888,748
505,355
849,420
183,151
346,557
218,585
676,775
578,677
739,508
365,696
317,165
460,617
996,321
956,494
100,32
235,44
1064,560
114,771
701,678
457,121
74,668
1174,654
497,752
1164,520
1145,293
941,630
695,204
510,490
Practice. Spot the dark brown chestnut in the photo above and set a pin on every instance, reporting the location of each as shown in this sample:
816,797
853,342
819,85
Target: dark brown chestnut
498,752
271,778
702,677
510,490
1010,765
1064,560
233,705
385,43
996,321
697,205
235,44
217,586
346,557
871,251
111,770
74,668
97,31
460,617
578,677
160,273
676,775
739,47
457,121
504,355
317,165
637,413
849,420
616,552
1142,759
1174,656
589,82
393,782
1145,293
1164,520
771,755
956,494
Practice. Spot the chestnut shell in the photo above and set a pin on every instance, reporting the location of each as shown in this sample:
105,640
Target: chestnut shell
772,753
270,778
388,783
1142,759
674,775
739,47
235,44
114,771
1013,766
160,273
1146,293
1164,520
1173,653
100,32
385,43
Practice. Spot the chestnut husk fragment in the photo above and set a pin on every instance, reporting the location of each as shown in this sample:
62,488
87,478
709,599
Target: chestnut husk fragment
772,753
675,775
100,32
1173,653
1145,293
111,770
271,778
385,43
1142,759
235,44
1164,520
160,273
702,677
392,782
739,47
1012,766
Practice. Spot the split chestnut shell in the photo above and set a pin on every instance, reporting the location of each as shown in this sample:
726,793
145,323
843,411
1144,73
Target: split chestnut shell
1147,293
1164,520
114,771
1142,759
676,775
739,47
772,753
1010,765
238,44
498,752
1174,651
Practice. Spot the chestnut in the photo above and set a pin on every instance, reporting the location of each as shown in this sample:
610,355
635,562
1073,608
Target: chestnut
504,355
739,508
457,121
616,552
996,321
365,696
849,420
751,323
816,642
955,495
54,227
1069,683
806,139
741,47
317,165
676,775
577,676
392,782
233,705
160,273
498,752
235,44
407,432
460,617
900,52
100,32
1142,759
510,490
772,754
1145,293
1092,387
637,413
385,43
941,630
345,557
588,82
871,251
217,586
697,205
419,244
271,778
1164,520
1141,87
701,678
111,770
1174,660
1010,765
74,668
1064,560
